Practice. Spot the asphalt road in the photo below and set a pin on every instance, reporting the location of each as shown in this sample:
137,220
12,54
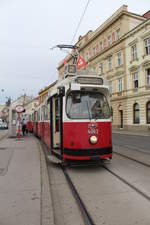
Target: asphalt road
135,142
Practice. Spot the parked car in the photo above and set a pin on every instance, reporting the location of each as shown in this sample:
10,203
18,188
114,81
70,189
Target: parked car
3,125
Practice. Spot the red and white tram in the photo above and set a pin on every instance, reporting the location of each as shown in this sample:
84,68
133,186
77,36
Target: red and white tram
75,120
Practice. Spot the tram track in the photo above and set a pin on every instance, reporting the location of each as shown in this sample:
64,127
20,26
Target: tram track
91,215
86,216
133,159
142,193
131,187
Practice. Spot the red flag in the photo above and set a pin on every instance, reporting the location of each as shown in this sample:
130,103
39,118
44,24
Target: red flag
65,61
81,64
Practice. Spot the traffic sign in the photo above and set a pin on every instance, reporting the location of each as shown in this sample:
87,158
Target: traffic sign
19,108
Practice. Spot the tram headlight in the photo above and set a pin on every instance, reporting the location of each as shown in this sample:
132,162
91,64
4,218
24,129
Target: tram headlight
93,139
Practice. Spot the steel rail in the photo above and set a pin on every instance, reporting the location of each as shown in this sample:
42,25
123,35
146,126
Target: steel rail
86,216
145,195
135,160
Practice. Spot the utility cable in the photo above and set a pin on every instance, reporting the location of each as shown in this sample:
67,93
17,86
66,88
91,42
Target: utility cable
80,21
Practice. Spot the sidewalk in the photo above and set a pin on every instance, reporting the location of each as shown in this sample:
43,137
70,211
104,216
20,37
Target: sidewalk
3,133
23,174
131,132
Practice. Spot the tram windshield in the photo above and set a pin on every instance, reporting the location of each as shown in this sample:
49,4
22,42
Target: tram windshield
87,105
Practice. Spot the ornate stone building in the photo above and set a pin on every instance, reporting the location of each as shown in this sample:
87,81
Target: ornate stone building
105,52
138,76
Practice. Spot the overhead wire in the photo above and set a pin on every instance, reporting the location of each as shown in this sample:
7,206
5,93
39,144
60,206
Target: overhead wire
80,21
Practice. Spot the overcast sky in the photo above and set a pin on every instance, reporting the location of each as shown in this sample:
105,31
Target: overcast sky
28,28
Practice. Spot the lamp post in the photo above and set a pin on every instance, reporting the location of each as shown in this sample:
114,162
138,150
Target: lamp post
2,90
24,94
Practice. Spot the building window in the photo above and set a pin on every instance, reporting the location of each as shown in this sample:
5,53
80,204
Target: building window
97,48
148,112
120,84
134,52
119,59
105,43
101,46
94,51
101,66
148,76
109,62
135,80
136,113
113,36
109,40
87,57
118,34
110,86
147,46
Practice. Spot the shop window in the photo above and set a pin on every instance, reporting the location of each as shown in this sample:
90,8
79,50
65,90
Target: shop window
147,46
148,112
148,76
136,113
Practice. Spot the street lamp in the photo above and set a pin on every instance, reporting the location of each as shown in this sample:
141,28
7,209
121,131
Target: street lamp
2,90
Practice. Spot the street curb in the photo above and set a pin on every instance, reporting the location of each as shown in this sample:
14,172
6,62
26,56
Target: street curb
129,133
47,213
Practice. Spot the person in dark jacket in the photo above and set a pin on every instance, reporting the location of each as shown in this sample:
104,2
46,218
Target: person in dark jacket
24,124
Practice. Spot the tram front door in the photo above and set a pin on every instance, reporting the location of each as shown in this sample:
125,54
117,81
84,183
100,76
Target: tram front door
56,122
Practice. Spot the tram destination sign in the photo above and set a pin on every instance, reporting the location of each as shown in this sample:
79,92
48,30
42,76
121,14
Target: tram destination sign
90,80
19,108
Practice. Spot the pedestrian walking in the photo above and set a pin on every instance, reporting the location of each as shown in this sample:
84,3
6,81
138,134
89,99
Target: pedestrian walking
24,124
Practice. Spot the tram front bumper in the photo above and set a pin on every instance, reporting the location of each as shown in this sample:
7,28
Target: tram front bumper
87,154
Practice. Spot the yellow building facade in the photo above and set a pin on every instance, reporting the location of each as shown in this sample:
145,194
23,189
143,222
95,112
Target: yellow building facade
44,92
105,52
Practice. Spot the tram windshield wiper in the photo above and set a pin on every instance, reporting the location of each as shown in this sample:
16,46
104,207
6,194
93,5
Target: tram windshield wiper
89,112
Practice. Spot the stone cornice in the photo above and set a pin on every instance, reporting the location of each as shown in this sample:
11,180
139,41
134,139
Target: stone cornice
141,94
137,28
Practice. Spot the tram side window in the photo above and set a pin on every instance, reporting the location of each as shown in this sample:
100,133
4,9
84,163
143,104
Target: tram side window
38,115
45,112
48,111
